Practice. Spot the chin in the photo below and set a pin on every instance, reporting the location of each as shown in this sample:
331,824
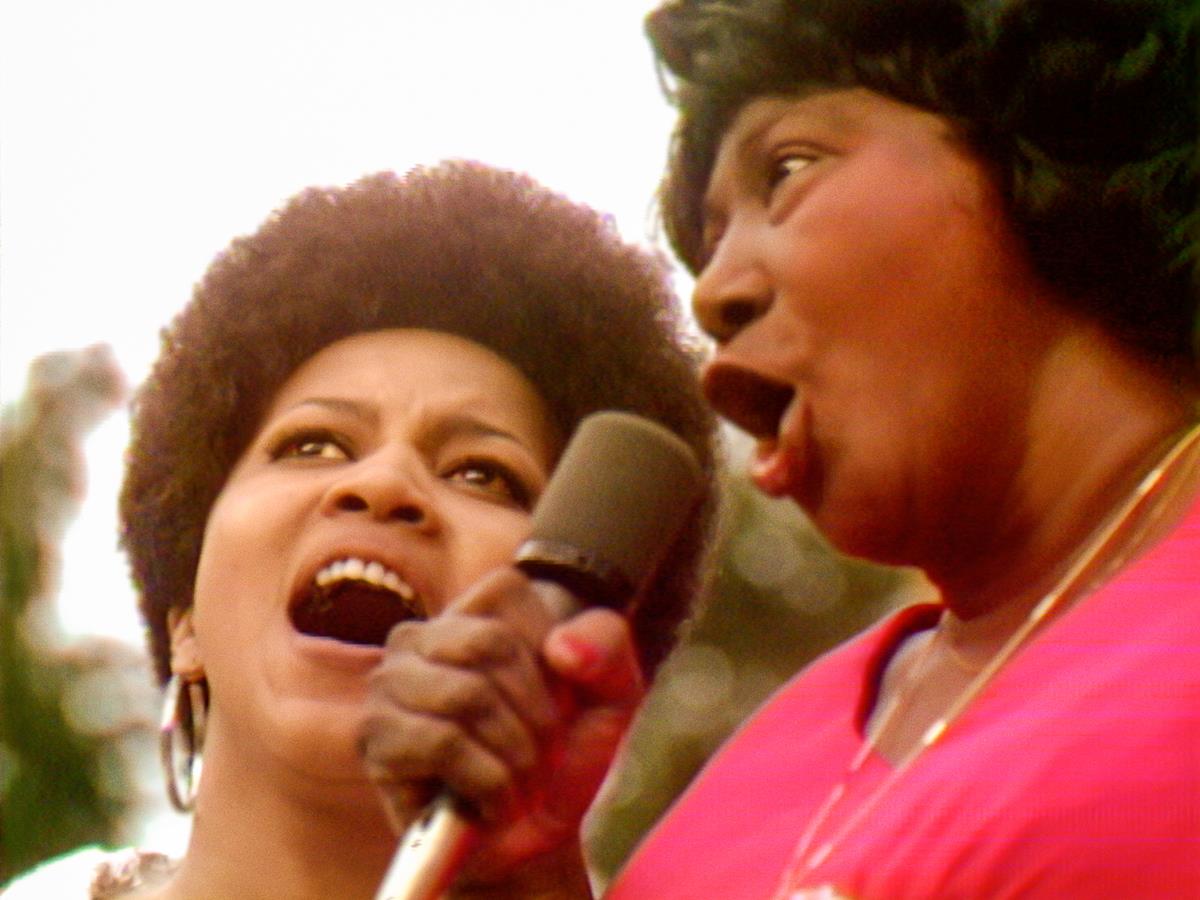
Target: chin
863,537
318,738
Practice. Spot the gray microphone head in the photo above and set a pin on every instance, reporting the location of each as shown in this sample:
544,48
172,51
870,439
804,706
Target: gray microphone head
618,497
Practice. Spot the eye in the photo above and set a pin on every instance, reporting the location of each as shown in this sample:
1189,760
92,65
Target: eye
789,161
310,444
492,478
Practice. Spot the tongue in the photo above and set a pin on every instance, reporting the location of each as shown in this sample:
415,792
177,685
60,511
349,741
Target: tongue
351,612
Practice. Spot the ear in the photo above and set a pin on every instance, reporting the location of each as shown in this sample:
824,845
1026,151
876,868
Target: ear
185,653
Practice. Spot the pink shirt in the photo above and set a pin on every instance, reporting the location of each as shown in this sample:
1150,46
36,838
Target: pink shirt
1075,774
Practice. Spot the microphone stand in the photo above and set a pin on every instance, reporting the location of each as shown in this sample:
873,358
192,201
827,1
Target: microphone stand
443,834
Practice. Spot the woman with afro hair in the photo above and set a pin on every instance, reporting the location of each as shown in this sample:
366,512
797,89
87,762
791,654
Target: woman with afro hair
346,430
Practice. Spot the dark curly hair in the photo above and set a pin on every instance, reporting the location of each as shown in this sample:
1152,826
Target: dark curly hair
1087,111
462,248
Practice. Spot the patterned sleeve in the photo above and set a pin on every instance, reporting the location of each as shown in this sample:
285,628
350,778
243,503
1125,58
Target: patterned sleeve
91,874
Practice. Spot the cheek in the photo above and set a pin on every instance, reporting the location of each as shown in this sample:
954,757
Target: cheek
238,556
848,280
219,581
484,539
906,223
881,302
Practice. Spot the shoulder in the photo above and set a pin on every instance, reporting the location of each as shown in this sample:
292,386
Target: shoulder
91,873
842,680
825,702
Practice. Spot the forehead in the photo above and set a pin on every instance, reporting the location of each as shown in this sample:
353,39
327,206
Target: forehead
380,346
839,109
835,120
414,367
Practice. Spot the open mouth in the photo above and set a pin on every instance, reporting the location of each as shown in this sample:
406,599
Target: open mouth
356,602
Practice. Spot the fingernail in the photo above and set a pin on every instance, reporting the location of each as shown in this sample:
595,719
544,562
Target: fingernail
584,656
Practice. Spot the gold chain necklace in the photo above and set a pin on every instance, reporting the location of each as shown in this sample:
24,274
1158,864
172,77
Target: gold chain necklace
805,859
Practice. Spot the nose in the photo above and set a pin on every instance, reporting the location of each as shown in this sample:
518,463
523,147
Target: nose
386,487
732,290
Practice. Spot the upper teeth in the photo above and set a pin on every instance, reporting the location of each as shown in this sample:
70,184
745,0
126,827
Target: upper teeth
376,573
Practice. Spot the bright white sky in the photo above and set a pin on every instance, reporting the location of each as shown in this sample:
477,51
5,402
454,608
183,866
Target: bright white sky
138,136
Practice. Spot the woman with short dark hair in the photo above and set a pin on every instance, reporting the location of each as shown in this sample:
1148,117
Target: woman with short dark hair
949,253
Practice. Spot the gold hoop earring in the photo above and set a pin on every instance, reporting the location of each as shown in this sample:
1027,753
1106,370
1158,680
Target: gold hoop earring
181,739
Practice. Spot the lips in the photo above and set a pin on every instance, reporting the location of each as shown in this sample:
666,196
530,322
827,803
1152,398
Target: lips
752,402
354,601
777,469
774,413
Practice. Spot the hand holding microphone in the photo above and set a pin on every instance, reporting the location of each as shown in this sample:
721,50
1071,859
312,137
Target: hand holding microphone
463,699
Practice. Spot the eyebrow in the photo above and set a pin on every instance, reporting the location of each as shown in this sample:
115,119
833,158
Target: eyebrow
750,143
466,425
338,405
453,425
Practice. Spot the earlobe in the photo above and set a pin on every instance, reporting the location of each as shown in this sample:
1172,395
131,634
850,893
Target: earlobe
185,654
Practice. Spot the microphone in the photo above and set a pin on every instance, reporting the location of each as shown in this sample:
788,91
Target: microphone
618,497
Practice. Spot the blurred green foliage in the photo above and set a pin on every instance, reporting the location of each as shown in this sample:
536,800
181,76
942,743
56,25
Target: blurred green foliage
56,786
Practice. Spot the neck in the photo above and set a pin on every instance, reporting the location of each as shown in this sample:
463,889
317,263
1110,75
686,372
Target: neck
270,834
1099,420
